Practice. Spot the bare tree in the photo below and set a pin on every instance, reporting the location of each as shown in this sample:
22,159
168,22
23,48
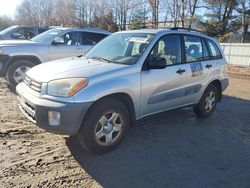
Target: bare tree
5,22
121,10
192,9
139,15
245,13
155,12
65,12
174,11
28,12
47,12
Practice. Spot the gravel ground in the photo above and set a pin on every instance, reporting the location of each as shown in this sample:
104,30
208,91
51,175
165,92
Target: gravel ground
171,149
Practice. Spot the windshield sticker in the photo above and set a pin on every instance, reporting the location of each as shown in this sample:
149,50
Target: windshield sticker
138,39
53,33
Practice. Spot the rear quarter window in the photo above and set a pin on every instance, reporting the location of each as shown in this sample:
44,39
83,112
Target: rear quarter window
214,50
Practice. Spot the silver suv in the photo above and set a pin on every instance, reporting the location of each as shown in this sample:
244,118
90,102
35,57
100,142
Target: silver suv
16,56
125,77
21,32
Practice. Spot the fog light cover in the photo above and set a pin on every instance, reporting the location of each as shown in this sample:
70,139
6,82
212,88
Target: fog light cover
54,118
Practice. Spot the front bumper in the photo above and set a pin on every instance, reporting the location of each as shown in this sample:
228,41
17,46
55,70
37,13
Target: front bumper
36,109
4,59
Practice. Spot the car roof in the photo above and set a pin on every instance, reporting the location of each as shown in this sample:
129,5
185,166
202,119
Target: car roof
30,26
169,31
83,29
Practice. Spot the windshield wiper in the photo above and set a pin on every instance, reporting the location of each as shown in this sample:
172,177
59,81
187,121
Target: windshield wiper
104,59
100,58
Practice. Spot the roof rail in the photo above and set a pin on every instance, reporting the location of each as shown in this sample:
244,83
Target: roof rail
185,28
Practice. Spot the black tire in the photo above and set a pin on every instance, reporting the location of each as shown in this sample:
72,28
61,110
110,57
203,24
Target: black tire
201,109
12,69
87,133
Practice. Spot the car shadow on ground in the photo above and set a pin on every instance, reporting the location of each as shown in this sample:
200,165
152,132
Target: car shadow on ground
176,149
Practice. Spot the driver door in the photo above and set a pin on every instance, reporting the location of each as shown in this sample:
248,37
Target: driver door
71,46
163,89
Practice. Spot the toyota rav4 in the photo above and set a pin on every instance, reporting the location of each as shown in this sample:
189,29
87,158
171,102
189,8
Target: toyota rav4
125,77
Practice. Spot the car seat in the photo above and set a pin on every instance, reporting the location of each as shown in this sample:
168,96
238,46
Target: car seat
193,52
142,47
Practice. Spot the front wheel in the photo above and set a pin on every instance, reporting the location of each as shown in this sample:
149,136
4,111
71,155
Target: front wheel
104,126
208,102
16,71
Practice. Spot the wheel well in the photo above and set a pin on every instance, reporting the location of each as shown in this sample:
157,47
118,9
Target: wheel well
127,100
32,59
217,84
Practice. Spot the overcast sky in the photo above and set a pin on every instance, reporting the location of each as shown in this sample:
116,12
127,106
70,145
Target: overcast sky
8,7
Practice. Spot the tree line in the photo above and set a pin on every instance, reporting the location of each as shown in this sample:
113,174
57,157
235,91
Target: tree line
227,19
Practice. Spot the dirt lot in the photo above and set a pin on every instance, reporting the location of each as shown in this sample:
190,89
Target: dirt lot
173,149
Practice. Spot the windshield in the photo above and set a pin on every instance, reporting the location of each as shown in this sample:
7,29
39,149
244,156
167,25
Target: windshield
124,48
3,32
48,36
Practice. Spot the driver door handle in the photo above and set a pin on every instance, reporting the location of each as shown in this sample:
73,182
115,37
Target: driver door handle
208,66
180,71
79,48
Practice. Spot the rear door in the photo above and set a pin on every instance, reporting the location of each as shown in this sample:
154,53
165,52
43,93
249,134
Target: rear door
216,60
163,89
199,65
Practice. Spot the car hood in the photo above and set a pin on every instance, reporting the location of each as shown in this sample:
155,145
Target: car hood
71,67
16,42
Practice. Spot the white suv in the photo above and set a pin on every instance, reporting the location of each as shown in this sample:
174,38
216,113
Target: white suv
125,77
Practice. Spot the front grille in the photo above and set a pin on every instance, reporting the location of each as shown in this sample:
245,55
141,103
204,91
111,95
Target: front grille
27,109
33,84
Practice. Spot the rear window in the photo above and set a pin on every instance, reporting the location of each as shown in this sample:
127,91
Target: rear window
92,38
214,50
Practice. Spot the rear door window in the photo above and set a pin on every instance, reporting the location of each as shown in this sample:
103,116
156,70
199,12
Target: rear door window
193,48
90,38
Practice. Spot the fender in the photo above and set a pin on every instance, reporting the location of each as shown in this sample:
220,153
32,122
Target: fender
98,90
12,59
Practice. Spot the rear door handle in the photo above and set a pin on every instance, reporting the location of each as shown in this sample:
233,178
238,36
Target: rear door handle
180,71
208,66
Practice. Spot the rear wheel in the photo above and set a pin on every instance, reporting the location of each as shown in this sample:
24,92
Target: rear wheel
105,125
208,102
16,71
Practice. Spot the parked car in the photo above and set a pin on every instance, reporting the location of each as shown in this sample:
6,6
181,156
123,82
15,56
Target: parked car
21,32
125,77
16,57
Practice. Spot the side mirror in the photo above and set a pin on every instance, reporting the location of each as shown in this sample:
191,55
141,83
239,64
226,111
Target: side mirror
59,40
16,35
157,63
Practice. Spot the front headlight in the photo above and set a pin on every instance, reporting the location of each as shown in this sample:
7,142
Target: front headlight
66,87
